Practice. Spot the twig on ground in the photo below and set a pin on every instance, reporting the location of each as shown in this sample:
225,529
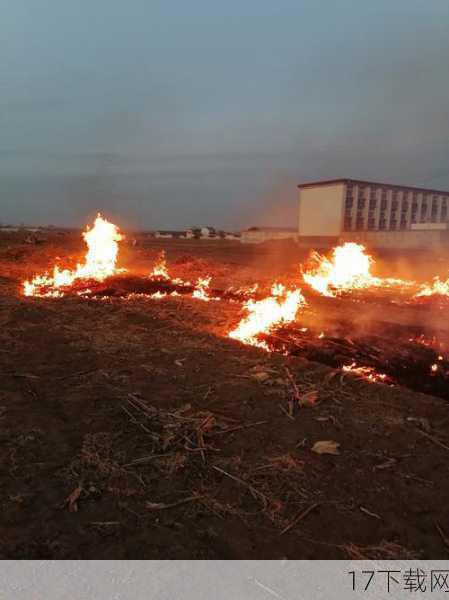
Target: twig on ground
144,459
296,392
286,412
252,489
79,374
299,517
163,506
432,438
442,534
369,513
238,428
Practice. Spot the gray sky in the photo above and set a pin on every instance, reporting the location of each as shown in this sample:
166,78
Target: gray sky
168,114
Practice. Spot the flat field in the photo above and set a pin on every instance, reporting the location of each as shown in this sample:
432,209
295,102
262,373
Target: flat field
135,428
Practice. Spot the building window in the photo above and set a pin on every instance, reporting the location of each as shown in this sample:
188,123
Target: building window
347,225
423,210
434,209
443,213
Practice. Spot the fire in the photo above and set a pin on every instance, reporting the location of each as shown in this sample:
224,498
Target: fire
158,295
160,273
100,262
437,288
368,373
266,314
348,268
160,270
202,289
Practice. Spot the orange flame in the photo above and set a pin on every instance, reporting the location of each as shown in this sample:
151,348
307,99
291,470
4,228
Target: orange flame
437,288
160,268
202,289
264,315
100,262
368,373
160,273
348,269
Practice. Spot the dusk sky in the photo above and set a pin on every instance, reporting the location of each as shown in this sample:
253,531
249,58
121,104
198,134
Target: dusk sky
169,114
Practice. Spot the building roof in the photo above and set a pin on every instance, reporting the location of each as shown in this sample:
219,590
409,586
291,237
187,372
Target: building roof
364,182
268,228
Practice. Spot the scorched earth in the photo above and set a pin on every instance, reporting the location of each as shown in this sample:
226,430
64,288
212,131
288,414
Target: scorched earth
220,401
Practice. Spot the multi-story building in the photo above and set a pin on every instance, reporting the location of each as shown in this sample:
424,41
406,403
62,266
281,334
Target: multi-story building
381,214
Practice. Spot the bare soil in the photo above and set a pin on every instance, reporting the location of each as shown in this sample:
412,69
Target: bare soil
137,429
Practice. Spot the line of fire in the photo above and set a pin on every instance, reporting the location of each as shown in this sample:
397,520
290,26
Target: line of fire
296,317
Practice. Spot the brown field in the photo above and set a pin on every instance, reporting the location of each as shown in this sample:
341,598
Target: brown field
137,429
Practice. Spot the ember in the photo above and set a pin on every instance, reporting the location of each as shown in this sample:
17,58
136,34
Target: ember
365,372
160,273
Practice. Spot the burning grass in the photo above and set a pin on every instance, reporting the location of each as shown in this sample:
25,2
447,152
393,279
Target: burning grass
437,288
348,269
263,317
99,263
267,314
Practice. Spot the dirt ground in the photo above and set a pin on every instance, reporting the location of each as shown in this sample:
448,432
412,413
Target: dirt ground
137,429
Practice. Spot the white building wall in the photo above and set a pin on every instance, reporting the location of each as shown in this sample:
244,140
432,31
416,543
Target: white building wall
263,235
321,210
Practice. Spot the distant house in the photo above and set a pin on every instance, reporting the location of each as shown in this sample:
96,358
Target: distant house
208,232
227,235
169,234
8,229
256,235
200,233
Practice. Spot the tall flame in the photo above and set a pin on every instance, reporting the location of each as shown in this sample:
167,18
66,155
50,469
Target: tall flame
100,262
160,270
266,314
